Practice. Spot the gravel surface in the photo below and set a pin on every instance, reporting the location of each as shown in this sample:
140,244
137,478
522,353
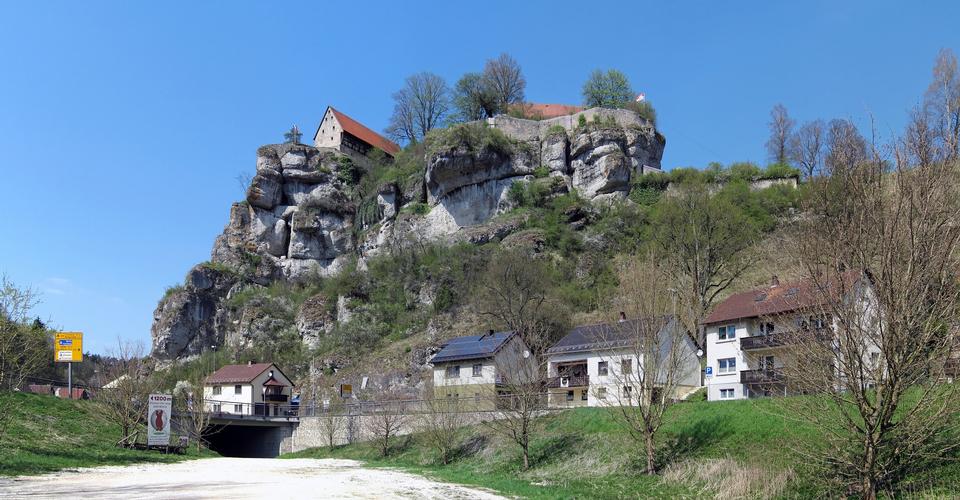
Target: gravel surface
236,478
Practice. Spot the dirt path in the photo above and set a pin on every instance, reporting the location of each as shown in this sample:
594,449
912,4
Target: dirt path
236,478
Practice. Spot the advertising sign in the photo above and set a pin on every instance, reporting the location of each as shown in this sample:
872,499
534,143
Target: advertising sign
159,408
68,347
346,390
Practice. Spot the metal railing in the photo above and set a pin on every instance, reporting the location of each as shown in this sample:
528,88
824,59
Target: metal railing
563,382
781,338
762,376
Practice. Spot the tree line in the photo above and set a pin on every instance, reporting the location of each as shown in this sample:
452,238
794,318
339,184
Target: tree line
426,101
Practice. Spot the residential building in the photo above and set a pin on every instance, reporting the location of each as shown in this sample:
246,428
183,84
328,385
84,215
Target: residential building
340,132
469,368
250,389
751,336
601,364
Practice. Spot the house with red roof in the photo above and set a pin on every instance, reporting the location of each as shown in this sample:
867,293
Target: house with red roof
251,389
343,133
751,336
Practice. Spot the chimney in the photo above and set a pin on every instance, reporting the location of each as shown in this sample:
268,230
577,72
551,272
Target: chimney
623,316
774,281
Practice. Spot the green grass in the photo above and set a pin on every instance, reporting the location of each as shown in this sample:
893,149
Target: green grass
47,434
585,453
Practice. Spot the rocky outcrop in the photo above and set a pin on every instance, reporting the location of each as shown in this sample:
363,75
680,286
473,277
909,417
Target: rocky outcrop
190,319
301,219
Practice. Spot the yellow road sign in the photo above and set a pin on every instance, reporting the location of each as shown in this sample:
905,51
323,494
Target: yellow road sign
68,347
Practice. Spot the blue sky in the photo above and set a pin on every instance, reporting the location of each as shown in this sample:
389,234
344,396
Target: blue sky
123,125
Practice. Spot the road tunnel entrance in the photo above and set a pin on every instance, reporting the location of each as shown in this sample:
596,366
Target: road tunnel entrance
247,441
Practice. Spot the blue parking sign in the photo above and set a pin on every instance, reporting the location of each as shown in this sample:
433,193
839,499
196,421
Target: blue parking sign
708,371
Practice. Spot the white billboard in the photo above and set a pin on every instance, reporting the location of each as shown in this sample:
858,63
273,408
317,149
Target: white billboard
159,410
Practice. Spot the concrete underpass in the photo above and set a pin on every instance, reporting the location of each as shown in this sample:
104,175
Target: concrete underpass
248,441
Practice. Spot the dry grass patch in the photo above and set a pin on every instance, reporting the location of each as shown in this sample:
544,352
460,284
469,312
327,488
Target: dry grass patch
726,478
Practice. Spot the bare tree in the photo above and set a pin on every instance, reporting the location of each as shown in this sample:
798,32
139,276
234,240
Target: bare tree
880,250
419,107
123,400
332,421
781,128
704,239
942,102
505,79
193,407
806,145
386,420
651,358
845,145
440,425
514,292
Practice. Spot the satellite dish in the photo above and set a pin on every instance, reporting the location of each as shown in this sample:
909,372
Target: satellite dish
526,354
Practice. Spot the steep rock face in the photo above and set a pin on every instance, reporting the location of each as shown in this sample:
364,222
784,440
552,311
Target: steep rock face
189,320
300,220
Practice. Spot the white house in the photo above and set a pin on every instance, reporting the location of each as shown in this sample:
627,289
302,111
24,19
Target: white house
752,335
250,389
470,368
340,132
600,365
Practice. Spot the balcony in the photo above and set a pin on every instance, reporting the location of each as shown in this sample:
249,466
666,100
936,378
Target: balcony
763,376
565,381
780,339
275,398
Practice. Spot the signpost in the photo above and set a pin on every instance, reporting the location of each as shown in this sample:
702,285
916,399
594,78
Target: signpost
159,410
68,348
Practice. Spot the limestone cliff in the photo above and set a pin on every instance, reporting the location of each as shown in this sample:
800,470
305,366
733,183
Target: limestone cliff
302,218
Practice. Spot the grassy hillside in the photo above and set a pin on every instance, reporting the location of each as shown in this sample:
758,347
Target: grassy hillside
47,434
738,449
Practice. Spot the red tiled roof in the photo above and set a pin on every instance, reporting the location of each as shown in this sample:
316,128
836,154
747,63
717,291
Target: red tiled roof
237,373
363,133
545,111
779,299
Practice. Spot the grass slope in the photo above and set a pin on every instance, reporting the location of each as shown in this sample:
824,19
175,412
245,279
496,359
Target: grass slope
584,453
47,434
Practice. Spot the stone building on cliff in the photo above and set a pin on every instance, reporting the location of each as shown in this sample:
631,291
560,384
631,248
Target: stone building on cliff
340,132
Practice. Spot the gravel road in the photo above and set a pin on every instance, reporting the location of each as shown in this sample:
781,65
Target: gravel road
236,478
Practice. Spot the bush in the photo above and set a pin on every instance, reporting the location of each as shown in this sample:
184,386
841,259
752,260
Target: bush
417,208
558,130
779,171
581,121
472,137
644,109
348,172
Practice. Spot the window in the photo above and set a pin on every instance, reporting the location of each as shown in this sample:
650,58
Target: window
238,408
476,397
602,368
728,332
453,371
583,395
766,328
874,358
627,392
602,392
216,407
569,395
216,390
237,389
726,394
626,366
478,370
727,365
